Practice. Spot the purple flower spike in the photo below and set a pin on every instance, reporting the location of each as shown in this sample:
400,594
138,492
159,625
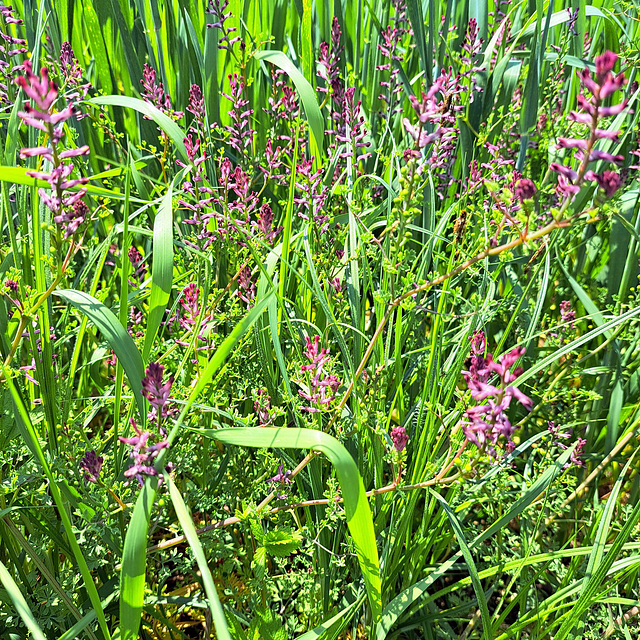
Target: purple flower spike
609,182
400,438
153,389
486,422
143,454
91,464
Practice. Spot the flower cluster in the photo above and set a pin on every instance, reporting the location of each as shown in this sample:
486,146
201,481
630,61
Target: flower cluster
390,47
558,435
91,465
155,390
485,422
153,93
437,126
145,444
69,212
10,51
319,383
217,10
604,85
143,453
400,438
328,68
262,407
240,132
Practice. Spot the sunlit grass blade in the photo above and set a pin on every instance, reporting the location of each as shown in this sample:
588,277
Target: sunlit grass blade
117,337
485,618
163,121
357,509
20,604
305,91
330,628
134,564
184,517
599,563
161,270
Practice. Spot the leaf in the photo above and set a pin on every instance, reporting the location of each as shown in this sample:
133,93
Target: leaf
161,270
305,91
281,542
117,337
485,618
359,520
259,562
175,133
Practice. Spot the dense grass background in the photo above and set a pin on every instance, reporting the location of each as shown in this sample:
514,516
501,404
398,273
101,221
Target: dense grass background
449,543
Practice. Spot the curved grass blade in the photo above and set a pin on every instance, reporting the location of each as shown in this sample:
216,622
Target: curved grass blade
174,132
186,521
161,270
305,91
471,565
20,603
117,337
359,520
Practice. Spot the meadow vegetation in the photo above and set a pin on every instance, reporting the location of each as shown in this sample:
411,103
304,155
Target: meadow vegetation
319,319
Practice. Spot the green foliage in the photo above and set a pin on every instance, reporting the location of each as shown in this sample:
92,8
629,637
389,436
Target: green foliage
245,382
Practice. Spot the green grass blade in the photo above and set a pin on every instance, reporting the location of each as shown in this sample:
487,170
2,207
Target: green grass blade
22,417
574,623
330,629
117,337
134,563
305,91
175,133
186,521
20,603
161,270
359,520
485,618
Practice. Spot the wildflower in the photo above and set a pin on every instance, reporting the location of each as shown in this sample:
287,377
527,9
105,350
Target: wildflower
143,453
486,421
91,464
196,104
283,479
591,112
12,285
262,407
153,93
39,113
240,131
217,10
153,388
400,438
525,189
567,313
316,392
